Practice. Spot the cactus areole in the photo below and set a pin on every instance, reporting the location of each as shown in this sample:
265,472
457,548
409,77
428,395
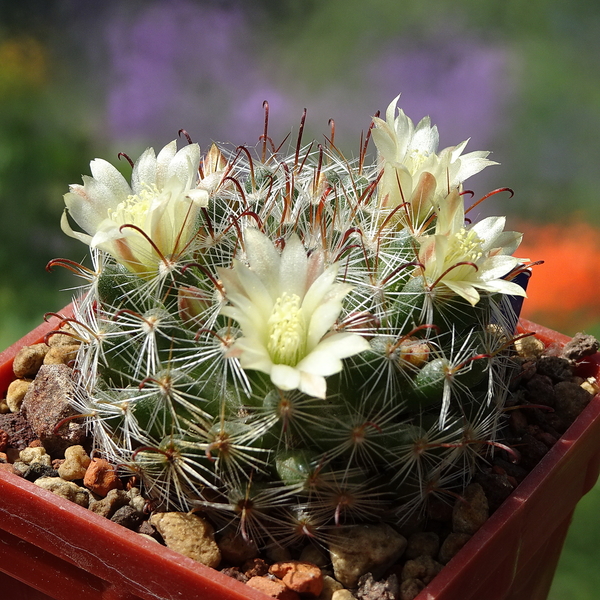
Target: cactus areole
294,342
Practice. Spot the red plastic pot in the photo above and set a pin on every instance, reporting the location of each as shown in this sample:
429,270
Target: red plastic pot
51,548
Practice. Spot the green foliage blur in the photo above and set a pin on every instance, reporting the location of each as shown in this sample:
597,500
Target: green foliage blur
39,146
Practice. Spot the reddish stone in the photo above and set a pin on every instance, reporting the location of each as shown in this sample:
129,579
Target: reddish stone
255,567
8,467
302,577
47,404
3,440
272,587
101,477
18,430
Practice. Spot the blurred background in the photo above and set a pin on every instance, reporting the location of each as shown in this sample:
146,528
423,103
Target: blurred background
82,79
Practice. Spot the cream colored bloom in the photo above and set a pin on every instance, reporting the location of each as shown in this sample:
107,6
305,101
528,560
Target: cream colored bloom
413,172
286,305
147,223
465,260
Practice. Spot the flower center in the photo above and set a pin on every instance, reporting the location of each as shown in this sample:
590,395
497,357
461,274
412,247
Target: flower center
465,246
134,209
287,331
417,158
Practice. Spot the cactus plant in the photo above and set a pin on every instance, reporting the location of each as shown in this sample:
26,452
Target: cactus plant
291,343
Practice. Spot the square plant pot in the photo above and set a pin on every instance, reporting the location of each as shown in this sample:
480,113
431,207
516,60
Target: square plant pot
52,548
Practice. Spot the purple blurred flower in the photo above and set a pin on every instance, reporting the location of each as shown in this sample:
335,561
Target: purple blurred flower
180,64
462,85
207,69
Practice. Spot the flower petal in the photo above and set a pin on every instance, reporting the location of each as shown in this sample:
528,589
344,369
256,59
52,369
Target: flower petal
313,385
489,230
463,289
106,174
163,160
255,289
253,355
285,377
325,359
262,256
317,291
184,166
293,268
144,171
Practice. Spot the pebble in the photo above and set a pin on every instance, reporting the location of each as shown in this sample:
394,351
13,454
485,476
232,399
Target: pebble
343,594
330,585
235,549
540,390
15,394
189,535
580,346
35,455
470,511
28,360
423,568
571,399
107,506
532,451
273,588
149,530
422,543
452,544
101,477
128,517
65,489
362,549
75,464
302,577
61,355
20,467
235,573
47,402
4,466
62,339
255,567
315,555
529,347
410,589
439,510
18,430
498,486
36,470
518,422
136,499
370,589
558,369
148,537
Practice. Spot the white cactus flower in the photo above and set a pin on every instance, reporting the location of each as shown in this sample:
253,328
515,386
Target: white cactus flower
146,224
413,171
286,305
464,260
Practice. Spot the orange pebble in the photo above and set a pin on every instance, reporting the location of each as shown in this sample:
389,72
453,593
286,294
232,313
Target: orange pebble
273,588
302,577
101,477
